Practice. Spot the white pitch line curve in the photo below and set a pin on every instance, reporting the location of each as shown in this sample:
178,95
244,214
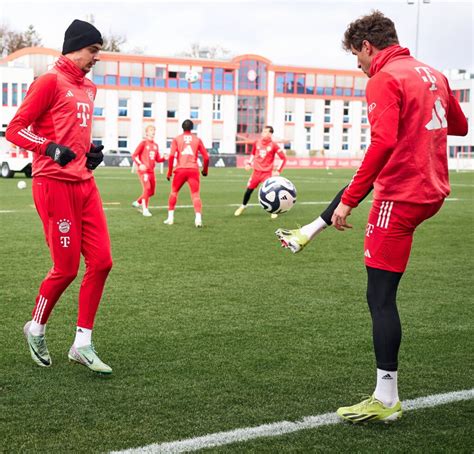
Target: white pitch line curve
283,427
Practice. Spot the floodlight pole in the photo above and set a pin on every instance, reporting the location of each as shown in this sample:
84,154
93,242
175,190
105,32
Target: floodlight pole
412,2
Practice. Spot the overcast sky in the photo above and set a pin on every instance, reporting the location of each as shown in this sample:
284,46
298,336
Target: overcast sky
303,33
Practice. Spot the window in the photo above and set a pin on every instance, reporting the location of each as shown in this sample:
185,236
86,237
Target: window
288,146
168,143
98,111
218,79
14,95
172,79
97,141
364,119
216,145
345,138
308,138
288,116
194,113
171,114
147,109
123,107
345,112
206,79
4,94
24,89
228,80
308,117
216,107
110,80
122,142
160,79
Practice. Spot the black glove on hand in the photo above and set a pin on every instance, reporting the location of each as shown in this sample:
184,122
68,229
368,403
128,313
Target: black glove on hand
59,153
94,157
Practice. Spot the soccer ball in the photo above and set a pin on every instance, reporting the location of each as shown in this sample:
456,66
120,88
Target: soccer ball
277,195
21,185
191,76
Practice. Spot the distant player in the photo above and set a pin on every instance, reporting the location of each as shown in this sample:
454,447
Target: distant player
184,168
262,161
145,157
411,112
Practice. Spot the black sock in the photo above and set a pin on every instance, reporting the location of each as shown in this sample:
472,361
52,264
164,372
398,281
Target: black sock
326,215
386,328
247,195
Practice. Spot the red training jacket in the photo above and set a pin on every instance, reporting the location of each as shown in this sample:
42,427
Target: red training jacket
185,149
411,111
147,153
264,151
58,108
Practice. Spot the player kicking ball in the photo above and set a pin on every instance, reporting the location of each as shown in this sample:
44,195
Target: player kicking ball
145,157
262,161
183,168
411,112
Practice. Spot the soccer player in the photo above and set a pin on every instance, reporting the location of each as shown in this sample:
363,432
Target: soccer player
145,157
262,161
58,112
411,112
183,167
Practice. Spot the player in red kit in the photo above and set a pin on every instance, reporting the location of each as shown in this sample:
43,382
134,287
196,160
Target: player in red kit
54,122
262,160
411,112
145,157
183,167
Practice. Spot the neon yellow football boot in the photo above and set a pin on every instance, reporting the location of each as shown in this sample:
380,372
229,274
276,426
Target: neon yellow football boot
294,240
370,410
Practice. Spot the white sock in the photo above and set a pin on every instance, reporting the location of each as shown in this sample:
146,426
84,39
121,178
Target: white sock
315,227
198,217
83,337
36,329
171,215
387,387
144,207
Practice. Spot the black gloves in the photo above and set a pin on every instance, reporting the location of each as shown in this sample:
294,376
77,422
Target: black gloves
94,157
59,153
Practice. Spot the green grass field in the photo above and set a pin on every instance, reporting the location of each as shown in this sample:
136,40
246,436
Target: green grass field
218,328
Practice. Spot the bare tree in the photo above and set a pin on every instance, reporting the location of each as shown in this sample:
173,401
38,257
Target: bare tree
11,40
113,42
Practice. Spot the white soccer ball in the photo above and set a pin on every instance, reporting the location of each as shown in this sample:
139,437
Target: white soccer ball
21,185
277,195
192,76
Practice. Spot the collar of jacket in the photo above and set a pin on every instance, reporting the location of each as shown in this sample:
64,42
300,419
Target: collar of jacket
69,68
386,55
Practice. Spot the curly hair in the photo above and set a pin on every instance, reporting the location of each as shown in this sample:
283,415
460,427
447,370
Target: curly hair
375,28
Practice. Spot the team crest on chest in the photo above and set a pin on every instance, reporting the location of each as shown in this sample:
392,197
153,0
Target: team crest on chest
64,225
90,94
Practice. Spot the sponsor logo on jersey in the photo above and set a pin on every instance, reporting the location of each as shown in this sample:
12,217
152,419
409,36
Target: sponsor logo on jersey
367,254
69,94
369,229
83,113
64,225
65,241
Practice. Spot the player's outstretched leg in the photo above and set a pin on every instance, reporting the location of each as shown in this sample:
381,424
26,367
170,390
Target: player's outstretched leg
246,199
297,239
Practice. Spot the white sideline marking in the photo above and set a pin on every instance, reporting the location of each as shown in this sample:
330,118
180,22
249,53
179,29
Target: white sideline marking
107,206
284,427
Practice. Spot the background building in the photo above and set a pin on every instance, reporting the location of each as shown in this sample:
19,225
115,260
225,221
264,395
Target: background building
315,112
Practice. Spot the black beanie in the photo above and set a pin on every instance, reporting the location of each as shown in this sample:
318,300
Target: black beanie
80,34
